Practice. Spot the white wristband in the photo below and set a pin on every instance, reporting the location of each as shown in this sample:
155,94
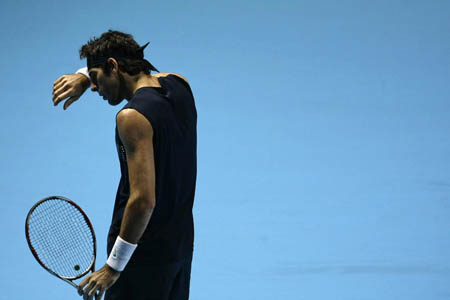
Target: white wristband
84,71
120,254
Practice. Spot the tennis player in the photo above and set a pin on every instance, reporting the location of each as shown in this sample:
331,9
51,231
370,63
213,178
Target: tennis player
150,241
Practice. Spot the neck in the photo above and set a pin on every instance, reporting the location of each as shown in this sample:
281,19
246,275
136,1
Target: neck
134,82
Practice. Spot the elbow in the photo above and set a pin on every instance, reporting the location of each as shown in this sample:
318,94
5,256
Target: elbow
142,203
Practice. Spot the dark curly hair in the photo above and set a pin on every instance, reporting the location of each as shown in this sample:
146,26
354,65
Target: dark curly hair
120,46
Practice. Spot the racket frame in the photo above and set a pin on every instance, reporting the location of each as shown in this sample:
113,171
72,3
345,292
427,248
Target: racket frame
33,251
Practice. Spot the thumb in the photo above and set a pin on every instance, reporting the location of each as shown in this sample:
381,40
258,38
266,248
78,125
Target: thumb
70,101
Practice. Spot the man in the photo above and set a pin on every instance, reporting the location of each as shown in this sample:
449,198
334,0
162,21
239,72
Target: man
150,241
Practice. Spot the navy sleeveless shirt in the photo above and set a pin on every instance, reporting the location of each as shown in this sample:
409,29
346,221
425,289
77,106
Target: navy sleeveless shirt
171,112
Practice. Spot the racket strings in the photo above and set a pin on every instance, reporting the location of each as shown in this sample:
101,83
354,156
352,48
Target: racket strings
61,238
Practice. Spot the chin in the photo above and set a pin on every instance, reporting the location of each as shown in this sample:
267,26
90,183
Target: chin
114,102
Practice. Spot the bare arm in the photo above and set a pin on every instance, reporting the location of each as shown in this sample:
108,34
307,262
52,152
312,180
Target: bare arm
136,134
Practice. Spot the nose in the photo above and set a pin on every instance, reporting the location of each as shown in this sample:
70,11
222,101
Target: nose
93,87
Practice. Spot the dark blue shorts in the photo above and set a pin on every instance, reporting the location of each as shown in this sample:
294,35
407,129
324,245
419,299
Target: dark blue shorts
166,282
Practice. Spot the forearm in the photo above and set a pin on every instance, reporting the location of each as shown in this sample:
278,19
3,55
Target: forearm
136,216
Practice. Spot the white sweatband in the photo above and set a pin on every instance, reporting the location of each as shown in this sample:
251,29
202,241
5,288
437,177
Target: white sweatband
120,254
83,71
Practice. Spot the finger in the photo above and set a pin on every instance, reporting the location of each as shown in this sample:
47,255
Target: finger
60,90
86,291
89,287
100,293
80,290
58,85
57,81
89,296
82,284
61,97
93,291
70,101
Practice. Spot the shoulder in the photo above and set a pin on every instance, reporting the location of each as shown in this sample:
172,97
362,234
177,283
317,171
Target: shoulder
132,124
167,74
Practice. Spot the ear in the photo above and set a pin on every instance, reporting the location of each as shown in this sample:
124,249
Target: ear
113,63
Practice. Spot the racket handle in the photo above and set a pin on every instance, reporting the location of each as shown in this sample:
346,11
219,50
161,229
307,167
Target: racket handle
71,283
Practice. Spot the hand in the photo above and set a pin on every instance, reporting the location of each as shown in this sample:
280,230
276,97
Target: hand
70,86
98,282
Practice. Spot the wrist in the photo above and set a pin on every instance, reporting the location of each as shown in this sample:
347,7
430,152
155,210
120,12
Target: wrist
85,79
120,254
83,71
111,270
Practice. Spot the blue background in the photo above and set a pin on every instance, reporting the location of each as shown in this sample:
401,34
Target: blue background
323,141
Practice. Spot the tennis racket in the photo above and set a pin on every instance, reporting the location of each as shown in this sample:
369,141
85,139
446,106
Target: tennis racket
61,238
